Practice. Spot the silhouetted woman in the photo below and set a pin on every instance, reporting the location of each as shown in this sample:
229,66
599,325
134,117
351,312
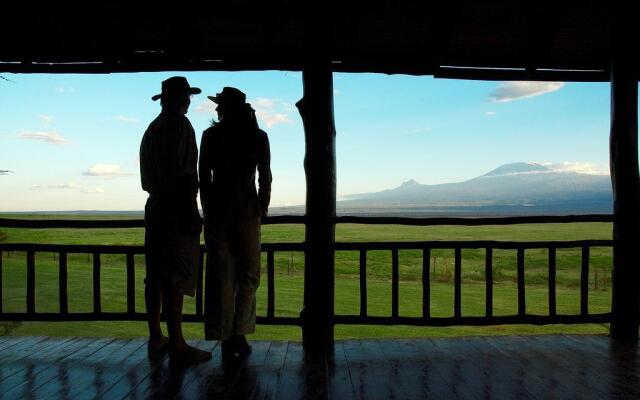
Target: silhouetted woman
230,152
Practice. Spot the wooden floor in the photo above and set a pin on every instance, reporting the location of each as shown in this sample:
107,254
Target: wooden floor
509,367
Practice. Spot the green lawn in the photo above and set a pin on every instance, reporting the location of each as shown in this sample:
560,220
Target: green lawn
289,279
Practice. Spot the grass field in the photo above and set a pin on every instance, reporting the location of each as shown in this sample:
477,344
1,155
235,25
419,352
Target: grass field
289,279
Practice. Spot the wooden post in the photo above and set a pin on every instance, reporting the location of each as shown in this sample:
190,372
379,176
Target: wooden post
626,199
316,109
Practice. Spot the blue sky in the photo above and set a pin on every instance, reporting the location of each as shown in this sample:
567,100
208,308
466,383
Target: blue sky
70,142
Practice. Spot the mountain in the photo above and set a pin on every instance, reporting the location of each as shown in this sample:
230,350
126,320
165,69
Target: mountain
517,188
518,168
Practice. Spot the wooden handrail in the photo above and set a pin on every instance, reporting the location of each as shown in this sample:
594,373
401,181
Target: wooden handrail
473,221
300,219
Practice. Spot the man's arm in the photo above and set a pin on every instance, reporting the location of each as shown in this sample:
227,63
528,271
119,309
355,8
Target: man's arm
188,177
264,174
186,153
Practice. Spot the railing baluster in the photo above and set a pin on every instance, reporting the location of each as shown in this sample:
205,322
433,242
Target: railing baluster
363,283
584,281
271,291
31,282
488,276
426,283
457,291
63,293
395,277
199,286
131,284
522,308
0,282
97,304
552,282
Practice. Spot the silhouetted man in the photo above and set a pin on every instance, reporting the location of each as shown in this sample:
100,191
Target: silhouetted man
168,161
230,152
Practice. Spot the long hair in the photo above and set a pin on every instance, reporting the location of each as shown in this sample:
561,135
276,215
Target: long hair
243,117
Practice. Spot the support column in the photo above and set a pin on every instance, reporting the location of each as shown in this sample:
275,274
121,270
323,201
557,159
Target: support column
316,109
626,200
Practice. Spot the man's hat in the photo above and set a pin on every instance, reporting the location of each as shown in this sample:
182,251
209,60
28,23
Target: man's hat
229,96
176,85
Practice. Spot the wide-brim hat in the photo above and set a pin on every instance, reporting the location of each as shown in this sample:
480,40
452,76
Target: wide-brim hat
229,96
176,85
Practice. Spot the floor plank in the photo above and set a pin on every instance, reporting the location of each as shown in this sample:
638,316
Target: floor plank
522,367
341,386
24,364
271,371
370,379
160,375
39,372
109,369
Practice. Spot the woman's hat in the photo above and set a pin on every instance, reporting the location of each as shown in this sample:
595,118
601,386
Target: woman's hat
229,96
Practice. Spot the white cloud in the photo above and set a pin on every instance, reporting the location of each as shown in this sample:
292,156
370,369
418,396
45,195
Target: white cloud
47,119
43,136
289,107
262,102
64,89
271,119
106,170
490,113
93,190
271,111
579,167
268,111
206,107
509,91
128,120
5,172
70,185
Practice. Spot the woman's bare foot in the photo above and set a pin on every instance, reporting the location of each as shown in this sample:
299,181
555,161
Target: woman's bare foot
158,344
235,347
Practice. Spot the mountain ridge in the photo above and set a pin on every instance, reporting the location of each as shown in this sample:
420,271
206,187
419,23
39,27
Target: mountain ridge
520,185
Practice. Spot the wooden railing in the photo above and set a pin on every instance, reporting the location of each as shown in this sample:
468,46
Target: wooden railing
131,314
426,319
522,317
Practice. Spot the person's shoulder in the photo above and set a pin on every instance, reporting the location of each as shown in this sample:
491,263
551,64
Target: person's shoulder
156,120
184,121
263,135
212,130
153,124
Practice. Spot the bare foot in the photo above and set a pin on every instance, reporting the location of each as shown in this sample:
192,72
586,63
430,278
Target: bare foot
157,344
189,354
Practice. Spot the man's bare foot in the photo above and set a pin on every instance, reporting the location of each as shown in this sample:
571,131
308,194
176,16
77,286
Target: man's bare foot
189,354
158,344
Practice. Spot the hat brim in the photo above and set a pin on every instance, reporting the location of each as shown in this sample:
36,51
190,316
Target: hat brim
221,100
192,90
